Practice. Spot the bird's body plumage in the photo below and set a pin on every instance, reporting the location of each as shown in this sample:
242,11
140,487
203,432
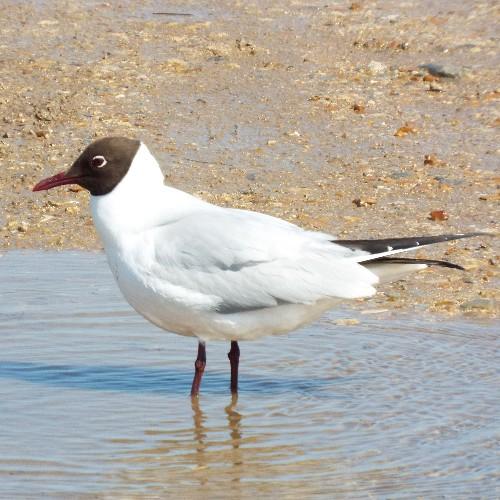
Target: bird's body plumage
216,273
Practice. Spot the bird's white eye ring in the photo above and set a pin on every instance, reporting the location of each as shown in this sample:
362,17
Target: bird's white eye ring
98,161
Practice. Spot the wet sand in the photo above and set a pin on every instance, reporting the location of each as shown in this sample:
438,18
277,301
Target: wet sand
320,114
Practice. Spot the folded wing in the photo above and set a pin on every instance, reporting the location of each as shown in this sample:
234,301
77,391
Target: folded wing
230,260
241,260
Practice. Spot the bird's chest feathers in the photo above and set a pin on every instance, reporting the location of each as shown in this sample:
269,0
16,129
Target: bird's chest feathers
145,282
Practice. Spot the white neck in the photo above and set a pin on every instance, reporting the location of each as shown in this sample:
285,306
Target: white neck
139,201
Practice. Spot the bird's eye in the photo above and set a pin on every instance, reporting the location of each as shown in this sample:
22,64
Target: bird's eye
98,161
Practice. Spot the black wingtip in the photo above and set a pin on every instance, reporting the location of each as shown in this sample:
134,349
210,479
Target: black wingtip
452,265
429,262
387,244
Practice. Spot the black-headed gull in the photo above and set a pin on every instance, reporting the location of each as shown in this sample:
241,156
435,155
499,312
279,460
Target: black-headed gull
200,270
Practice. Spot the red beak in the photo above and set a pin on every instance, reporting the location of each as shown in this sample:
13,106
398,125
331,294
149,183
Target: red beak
59,179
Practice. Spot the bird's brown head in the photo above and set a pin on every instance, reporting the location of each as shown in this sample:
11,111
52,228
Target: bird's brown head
100,167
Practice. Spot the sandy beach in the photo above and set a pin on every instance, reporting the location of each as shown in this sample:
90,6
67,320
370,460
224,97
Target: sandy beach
360,119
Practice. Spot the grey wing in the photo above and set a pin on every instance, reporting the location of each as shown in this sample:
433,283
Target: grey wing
238,260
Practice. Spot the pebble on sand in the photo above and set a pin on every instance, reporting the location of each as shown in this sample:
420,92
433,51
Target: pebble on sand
376,68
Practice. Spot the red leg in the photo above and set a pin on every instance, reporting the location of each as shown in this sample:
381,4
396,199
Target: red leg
234,359
199,368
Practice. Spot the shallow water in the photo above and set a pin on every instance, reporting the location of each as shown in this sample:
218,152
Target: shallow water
94,401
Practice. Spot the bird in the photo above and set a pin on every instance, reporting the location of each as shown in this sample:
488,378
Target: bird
215,273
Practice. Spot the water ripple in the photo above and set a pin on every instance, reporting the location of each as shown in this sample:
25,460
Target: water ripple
94,401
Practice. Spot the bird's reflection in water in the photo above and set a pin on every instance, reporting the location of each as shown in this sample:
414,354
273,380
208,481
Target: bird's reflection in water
200,432
234,439
234,421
